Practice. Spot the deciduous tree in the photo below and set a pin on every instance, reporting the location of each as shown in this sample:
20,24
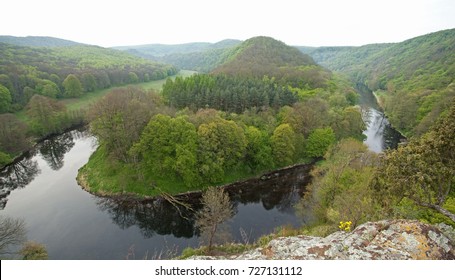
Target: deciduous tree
5,99
72,85
168,145
45,114
423,170
12,233
319,141
283,145
216,210
13,138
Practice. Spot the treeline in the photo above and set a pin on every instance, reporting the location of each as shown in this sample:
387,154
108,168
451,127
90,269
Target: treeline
226,93
68,72
147,146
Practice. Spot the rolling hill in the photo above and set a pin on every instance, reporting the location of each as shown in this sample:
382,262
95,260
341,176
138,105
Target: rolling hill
37,41
200,56
265,56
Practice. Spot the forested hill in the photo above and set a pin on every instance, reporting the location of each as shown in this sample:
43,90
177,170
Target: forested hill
37,41
201,57
25,71
265,56
343,58
414,79
159,50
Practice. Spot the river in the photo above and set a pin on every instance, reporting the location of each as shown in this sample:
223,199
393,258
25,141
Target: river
73,224
380,135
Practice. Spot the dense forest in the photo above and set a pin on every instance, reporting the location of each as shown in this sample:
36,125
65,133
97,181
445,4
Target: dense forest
32,80
214,128
412,79
200,57
69,71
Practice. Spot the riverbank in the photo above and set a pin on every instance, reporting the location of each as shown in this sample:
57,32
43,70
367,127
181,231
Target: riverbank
380,96
100,178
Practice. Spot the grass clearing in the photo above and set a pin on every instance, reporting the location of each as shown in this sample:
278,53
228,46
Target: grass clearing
87,99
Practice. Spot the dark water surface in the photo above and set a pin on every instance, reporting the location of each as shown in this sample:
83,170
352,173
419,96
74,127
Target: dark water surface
73,224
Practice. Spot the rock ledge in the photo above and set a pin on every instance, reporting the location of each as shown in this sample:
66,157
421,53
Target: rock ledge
383,240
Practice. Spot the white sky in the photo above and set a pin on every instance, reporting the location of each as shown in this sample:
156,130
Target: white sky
304,22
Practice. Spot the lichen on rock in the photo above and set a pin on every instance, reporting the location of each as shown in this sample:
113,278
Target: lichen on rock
383,240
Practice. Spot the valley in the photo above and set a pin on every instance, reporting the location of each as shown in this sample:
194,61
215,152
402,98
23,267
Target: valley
304,122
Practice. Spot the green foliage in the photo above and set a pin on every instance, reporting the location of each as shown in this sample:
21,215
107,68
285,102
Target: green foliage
340,190
230,146
258,151
264,56
221,92
47,88
168,146
416,76
88,82
132,77
283,145
201,57
4,159
5,99
242,139
348,123
34,69
319,141
422,171
119,118
13,138
222,145
45,115
72,85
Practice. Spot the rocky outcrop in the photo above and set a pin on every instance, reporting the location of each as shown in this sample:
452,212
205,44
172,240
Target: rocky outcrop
383,240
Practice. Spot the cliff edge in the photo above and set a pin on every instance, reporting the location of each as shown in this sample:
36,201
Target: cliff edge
383,240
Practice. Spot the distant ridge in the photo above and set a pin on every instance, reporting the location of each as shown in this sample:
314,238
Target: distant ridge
38,41
158,50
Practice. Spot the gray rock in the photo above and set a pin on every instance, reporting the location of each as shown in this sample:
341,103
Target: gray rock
383,240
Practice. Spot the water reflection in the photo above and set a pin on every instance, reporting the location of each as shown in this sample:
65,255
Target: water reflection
53,150
279,190
16,176
24,171
380,134
152,217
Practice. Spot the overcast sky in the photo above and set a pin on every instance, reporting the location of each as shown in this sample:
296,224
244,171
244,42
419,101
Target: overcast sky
295,22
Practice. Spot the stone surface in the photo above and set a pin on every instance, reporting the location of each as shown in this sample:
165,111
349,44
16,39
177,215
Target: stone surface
383,240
